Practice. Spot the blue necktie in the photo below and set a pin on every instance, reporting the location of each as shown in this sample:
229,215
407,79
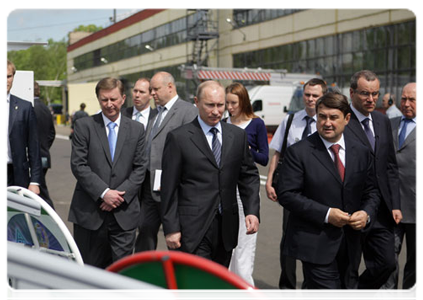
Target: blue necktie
112,138
369,132
403,133
216,146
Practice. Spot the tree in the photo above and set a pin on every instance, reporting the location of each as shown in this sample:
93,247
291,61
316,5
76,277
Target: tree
48,63
88,28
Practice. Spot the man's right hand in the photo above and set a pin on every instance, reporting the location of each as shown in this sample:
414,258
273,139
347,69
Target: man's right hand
338,218
173,240
114,198
271,193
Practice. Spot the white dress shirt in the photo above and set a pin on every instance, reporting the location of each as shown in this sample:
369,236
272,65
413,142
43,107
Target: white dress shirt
295,131
145,113
209,136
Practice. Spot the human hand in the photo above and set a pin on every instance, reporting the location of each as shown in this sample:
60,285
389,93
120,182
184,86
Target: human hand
173,240
338,217
34,188
114,198
397,214
252,224
358,220
271,193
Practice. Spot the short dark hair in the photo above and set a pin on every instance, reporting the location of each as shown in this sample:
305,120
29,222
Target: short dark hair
367,74
317,81
109,83
334,100
82,106
36,89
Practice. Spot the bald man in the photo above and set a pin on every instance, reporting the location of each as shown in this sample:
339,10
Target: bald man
172,112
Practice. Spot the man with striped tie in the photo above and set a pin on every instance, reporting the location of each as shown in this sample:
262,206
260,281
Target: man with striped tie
109,165
203,162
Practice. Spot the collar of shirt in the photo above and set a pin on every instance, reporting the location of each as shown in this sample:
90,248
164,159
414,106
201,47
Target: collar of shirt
360,116
107,121
8,98
341,142
206,129
171,102
143,112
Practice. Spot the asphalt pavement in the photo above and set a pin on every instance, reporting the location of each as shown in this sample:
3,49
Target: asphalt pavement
61,184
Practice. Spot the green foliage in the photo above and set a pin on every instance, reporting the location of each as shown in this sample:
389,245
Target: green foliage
88,28
48,63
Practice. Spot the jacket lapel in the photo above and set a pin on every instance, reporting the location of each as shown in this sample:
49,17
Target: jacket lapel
227,141
168,116
321,153
13,111
356,128
102,135
123,132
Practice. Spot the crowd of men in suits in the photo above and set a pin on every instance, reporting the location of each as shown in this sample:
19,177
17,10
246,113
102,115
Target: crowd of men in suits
347,179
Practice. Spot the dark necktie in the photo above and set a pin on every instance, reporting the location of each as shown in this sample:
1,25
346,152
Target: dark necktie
369,132
112,138
307,129
403,133
153,131
338,163
216,146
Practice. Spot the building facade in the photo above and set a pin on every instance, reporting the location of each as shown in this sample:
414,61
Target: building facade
333,43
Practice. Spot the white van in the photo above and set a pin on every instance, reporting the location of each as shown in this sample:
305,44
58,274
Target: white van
271,103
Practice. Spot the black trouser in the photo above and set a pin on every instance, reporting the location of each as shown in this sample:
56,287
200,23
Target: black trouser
150,219
211,246
109,243
288,278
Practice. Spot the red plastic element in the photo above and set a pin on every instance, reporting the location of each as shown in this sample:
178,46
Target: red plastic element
169,258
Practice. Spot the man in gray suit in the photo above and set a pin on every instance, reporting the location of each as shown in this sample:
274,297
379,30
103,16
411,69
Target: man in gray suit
404,134
109,164
172,113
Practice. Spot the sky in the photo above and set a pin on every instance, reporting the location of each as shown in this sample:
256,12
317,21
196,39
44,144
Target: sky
40,25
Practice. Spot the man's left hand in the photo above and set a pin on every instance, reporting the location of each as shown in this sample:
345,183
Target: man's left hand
252,223
34,188
358,220
397,215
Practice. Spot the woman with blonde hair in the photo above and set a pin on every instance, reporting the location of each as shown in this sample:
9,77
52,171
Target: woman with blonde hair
241,114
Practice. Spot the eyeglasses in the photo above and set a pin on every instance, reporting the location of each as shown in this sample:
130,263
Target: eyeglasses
365,94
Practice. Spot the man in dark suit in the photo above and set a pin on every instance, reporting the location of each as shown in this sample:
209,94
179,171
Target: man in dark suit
404,135
46,136
81,113
172,113
201,171
327,185
23,150
141,110
109,164
373,129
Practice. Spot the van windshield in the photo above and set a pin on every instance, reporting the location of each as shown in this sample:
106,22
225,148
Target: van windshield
297,102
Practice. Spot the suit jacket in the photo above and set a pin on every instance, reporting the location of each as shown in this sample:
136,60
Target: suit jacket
181,113
193,184
127,112
46,131
94,170
310,184
23,138
406,159
386,169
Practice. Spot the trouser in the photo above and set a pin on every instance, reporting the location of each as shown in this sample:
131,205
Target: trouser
288,277
378,251
150,219
409,278
109,243
211,246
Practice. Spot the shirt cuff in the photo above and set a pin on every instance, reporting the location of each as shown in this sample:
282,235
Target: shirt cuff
104,193
327,216
34,183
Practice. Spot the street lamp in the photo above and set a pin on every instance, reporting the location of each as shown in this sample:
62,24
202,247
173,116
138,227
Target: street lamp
103,60
235,27
148,47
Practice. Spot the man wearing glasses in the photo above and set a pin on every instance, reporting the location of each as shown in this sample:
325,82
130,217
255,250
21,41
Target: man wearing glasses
373,129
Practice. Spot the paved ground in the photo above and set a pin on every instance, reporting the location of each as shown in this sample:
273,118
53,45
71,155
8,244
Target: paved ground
61,184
